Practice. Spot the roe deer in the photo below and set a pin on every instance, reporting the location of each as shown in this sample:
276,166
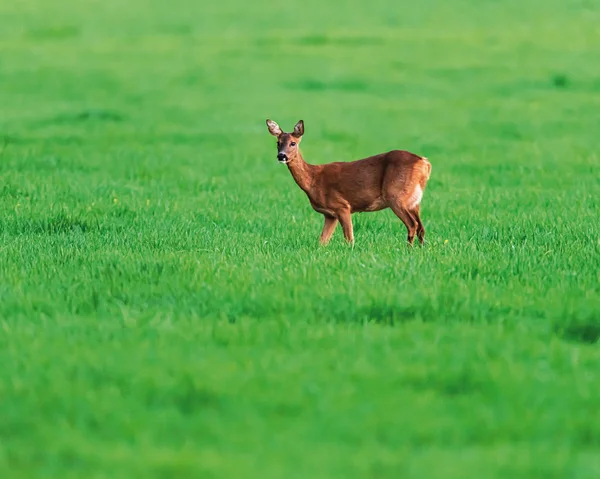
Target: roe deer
395,180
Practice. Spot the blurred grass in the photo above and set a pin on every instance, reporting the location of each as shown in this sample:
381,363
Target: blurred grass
165,307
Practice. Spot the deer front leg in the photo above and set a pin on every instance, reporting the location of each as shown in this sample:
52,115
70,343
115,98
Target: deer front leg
345,218
328,229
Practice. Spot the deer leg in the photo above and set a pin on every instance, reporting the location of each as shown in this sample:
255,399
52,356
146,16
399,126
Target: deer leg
408,219
420,228
345,218
328,229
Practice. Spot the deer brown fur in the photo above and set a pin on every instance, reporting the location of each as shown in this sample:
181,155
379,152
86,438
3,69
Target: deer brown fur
396,180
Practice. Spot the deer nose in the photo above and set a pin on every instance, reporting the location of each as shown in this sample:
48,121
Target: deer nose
281,156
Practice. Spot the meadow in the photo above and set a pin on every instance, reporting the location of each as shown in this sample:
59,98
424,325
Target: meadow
165,307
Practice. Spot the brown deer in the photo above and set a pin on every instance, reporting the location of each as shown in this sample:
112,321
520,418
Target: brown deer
395,180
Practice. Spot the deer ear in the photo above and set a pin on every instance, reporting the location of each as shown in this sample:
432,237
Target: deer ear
299,129
273,128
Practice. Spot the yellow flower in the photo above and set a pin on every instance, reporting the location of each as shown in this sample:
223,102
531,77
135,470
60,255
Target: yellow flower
445,241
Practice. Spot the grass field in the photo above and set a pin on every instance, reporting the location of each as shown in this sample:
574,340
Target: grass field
166,309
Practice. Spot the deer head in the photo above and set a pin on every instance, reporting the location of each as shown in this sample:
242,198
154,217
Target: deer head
287,143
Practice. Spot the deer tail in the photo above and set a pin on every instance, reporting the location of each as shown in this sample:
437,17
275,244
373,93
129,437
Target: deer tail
427,166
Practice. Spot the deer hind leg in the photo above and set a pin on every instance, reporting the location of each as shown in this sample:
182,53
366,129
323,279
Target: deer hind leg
345,218
416,212
328,229
408,219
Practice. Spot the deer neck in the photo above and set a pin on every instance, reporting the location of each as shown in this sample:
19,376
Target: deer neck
302,172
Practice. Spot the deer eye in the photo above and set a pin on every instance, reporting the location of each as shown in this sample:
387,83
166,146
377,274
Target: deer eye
293,143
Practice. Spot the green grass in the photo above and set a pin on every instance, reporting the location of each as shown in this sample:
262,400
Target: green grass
166,310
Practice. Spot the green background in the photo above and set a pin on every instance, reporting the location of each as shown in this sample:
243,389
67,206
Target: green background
166,309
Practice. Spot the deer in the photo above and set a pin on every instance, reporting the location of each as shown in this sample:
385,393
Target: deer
395,179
